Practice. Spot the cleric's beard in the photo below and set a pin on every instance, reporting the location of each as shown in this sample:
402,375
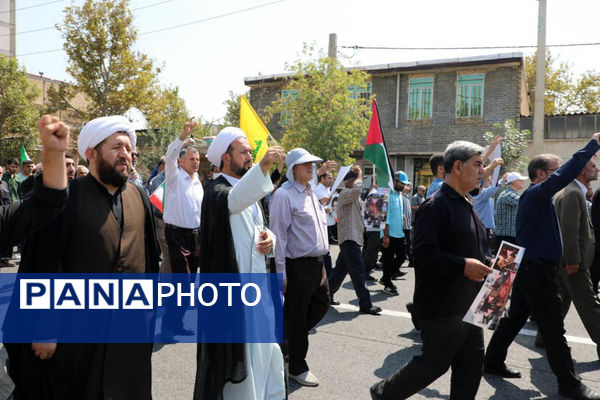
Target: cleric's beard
108,173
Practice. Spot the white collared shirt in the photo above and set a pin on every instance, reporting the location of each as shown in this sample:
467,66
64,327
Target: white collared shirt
582,187
183,195
321,191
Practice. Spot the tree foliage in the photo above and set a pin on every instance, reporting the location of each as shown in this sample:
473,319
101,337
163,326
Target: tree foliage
324,117
232,115
564,93
18,112
513,144
99,41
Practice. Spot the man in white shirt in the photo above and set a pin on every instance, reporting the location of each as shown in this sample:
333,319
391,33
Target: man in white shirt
182,205
183,201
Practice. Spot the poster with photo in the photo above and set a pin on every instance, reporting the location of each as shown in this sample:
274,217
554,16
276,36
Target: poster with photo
376,207
490,303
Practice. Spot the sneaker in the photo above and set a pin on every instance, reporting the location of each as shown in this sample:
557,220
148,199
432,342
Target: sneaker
306,378
392,291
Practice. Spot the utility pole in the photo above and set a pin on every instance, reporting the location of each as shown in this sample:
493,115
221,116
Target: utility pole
540,78
332,52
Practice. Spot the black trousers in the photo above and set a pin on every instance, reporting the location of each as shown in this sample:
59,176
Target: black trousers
306,303
409,253
184,248
393,258
370,250
535,292
447,343
349,261
184,257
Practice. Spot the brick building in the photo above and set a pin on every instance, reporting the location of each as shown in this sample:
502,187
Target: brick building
425,105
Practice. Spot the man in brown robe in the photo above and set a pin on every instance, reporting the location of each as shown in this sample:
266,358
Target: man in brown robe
106,227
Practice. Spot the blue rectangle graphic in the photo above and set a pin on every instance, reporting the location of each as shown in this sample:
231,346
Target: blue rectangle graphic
141,308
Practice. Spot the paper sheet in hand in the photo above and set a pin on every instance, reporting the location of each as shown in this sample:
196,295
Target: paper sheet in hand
489,305
341,174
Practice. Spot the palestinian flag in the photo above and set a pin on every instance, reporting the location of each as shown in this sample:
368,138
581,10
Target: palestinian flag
376,152
24,156
158,197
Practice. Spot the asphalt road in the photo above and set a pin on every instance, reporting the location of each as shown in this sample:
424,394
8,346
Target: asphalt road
350,351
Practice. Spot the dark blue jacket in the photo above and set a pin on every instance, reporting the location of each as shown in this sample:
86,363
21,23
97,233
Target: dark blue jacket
537,224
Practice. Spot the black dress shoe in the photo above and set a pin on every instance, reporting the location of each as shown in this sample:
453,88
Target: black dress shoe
374,310
370,278
334,302
580,392
501,370
398,275
375,393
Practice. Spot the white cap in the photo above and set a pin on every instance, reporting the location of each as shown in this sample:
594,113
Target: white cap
221,142
98,129
298,156
515,176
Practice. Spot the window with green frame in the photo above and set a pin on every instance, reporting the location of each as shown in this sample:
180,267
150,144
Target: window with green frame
420,95
469,95
287,95
360,92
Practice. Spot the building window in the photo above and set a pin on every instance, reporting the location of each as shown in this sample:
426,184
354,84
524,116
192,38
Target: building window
287,96
360,92
420,95
469,95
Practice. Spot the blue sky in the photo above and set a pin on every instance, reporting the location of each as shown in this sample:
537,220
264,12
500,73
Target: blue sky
208,59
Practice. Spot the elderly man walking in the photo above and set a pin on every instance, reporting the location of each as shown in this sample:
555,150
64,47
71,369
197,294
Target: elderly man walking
450,265
535,291
300,225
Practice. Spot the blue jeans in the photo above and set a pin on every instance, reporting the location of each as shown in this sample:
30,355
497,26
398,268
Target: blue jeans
350,260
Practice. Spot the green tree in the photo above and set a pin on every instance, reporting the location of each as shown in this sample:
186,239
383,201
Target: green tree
513,144
325,116
99,38
232,115
18,112
564,92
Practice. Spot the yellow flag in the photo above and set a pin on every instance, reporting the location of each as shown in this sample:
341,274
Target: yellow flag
254,129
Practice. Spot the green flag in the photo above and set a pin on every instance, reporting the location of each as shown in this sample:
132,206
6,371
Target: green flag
24,156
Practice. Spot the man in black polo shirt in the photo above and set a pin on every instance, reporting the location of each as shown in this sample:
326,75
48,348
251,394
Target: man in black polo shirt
535,291
450,264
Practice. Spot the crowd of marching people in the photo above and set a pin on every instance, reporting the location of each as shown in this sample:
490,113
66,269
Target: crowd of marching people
281,214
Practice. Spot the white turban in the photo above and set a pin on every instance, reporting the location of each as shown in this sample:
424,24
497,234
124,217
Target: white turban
99,129
221,142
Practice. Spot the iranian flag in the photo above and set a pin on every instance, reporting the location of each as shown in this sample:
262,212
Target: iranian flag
376,152
158,197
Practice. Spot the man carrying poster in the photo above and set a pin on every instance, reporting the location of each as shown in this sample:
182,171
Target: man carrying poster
450,256
489,305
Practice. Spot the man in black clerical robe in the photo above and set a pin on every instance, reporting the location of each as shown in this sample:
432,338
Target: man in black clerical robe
106,227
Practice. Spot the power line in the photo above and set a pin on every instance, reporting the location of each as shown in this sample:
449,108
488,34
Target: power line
356,47
33,6
53,27
211,18
174,26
